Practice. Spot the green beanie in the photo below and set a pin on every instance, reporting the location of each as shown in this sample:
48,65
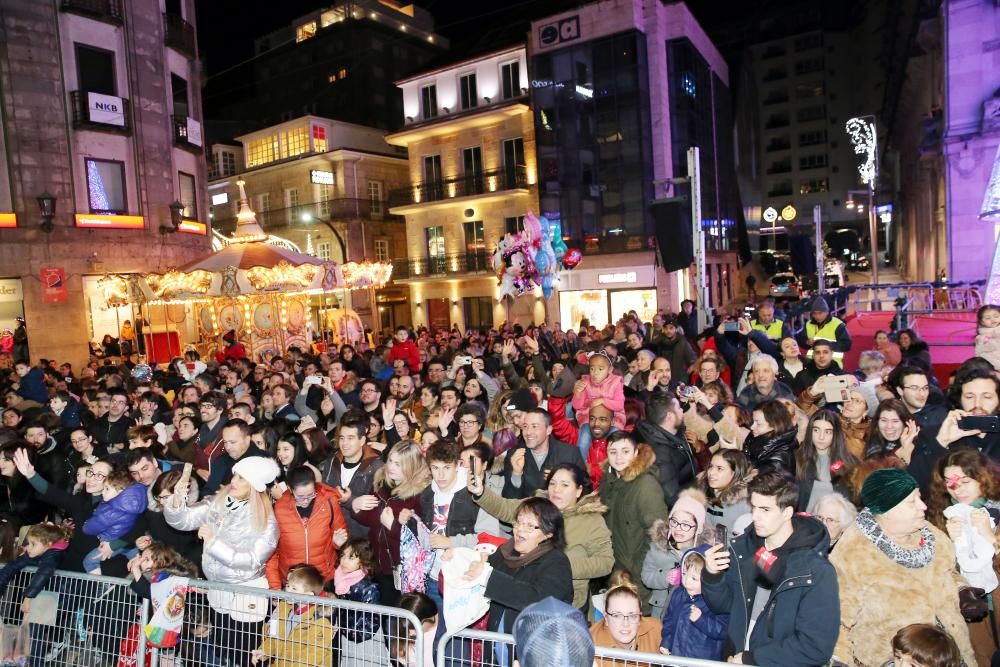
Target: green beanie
885,488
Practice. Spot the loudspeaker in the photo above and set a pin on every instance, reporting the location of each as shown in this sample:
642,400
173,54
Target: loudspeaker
672,229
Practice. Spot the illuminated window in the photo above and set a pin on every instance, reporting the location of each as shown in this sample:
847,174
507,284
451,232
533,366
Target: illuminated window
342,73
187,195
305,31
331,16
262,151
319,139
323,251
381,250
294,142
106,186
375,197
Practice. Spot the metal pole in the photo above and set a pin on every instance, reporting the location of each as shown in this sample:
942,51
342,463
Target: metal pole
873,231
698,237
820,260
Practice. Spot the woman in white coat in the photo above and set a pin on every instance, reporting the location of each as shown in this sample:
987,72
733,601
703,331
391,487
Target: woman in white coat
240,533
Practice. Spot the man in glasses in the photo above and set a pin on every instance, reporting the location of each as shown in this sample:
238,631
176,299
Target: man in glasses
311,527
111,430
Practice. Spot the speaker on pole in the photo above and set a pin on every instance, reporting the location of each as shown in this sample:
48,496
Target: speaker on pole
672,228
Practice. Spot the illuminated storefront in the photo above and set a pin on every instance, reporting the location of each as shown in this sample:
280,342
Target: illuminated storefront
603,296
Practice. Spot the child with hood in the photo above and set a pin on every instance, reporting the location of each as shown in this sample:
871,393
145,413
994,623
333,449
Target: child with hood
671,537
690,628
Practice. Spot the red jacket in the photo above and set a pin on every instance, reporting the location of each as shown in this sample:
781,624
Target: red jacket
564,429
407,351
309,541
232,352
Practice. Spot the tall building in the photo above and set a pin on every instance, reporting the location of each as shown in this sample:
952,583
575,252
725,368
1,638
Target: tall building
471,144
322,185
620,91
339,62
100,121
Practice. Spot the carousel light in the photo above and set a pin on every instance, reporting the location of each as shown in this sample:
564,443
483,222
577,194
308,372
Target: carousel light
363,275
285,275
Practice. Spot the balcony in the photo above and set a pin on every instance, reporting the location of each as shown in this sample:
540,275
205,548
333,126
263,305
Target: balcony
774,52
102,113
780,191
774,122
486,184
187,133
442,266
775,75
178,34
776,99
776,145
109,11
782,168
303,215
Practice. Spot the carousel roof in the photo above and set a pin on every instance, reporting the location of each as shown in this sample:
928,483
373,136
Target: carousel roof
248,255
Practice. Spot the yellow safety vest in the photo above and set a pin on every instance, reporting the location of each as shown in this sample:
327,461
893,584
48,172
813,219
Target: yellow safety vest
773,330
826,332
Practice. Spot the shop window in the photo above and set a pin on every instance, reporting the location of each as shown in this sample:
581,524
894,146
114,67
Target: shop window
590,305
106,186
188,197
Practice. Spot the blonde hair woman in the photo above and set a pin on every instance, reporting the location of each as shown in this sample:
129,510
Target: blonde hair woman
623,625
240,533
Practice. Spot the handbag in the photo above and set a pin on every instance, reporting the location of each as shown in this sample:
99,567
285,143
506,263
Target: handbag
397,568
973,603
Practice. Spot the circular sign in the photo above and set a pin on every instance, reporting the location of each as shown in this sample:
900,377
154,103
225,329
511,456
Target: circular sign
770,215
788,213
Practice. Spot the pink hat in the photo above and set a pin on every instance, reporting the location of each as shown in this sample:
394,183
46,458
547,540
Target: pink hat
692,502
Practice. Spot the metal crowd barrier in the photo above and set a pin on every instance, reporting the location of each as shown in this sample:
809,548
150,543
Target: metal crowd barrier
88,621
475,648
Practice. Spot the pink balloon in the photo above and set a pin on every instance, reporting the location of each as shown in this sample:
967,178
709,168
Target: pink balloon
572,258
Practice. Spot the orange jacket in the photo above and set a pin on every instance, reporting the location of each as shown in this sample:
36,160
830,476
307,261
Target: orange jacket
310,542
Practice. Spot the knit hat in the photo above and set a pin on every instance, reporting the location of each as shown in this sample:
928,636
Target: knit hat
522,400
885,488
692,502
819,305
258,470
550,633
868,392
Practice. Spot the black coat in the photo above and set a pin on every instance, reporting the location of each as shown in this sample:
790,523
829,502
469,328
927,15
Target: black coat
533,477
107,433
810,373
462,512
511,590
361,484
676,467
772,450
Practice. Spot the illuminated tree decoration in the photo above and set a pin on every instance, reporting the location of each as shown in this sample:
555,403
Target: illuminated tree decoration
861,131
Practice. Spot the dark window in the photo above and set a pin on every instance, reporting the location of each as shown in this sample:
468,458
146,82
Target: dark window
432,177
428,102
96,70
513,225
173,7
478,312
470,95
179,88
510,76
188,195
513,162
472,170
106,187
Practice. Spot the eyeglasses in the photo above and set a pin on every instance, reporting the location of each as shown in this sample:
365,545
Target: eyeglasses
525,526
828,520
304,500
77,441
468,422
618,617
674,523
99,476
915,387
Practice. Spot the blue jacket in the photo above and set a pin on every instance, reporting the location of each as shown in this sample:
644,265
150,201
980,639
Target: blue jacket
71,414
700,639
800,622
360,626
32,386
113,518
47,564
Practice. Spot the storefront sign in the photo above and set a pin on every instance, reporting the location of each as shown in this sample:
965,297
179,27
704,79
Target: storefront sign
611,278
95,221
193,227
193,132
563,30
788,213
321,177
220,199
10,290
8,220
105,109
770,214
53,285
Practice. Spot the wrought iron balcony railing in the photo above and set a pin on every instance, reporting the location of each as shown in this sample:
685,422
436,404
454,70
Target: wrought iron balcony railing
109,11
467,185
106,114
178,34
462,263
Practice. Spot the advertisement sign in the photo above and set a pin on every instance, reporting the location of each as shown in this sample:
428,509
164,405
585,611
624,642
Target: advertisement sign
53,284
321,177
220,199
193,227
8,220
10,290
95,221
193,132
105,109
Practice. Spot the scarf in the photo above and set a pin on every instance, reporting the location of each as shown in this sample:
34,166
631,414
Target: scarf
343,581
515,560
919,557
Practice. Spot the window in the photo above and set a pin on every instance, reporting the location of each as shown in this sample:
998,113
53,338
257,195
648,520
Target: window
475,246
106,186
213,166
806,114
187,195
179,89
381,250
319,139
804,91
432,178
470,94
428,102
513,225
812,138
305,31
262,151
95,70
375,197
435,249
263,206
513,163
812,161
807,42
294,142
478,312
291,203
809,65
813,185
228,163
324,193
323,251
472,170
510,79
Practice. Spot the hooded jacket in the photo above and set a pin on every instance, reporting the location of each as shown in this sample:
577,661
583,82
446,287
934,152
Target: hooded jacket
114,518
634,499
675,462
772,450
647,640
31,387
663,557
693,639
306,641
799,623
306,540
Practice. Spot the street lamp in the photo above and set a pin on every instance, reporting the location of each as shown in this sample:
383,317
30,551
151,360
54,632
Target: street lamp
47,206
176,210
864,138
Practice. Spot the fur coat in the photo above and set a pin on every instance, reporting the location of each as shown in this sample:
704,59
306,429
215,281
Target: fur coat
878,596
728,506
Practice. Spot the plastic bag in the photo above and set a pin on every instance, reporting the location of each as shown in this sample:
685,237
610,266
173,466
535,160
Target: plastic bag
15,642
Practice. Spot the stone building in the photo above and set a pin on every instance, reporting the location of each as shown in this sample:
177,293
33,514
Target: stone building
101,110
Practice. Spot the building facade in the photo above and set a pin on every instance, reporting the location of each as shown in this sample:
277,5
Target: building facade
620,91
101,111
472,178
322,185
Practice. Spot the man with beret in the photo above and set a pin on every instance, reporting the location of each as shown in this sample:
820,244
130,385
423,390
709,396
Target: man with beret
894,569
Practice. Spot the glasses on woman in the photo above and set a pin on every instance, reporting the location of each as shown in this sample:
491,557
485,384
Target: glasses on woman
618,617
674,523
304,500
99,476
468,422
524,525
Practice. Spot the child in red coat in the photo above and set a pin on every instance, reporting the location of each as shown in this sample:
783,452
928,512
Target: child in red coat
405,349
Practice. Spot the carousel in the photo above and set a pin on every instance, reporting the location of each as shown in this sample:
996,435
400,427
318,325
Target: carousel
255,290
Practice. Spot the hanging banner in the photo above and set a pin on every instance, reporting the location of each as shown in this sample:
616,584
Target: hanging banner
105,109
54,285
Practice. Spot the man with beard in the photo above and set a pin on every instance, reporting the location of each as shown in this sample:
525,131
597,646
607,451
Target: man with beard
663,431
526,466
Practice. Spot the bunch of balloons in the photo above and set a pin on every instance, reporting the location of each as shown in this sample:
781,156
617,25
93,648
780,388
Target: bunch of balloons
532,257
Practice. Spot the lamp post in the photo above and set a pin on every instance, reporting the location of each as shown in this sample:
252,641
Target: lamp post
864,138
47,206
176,211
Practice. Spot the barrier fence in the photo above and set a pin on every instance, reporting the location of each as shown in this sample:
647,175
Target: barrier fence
476,648
84,620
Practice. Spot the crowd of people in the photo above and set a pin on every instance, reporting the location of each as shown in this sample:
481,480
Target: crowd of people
731,494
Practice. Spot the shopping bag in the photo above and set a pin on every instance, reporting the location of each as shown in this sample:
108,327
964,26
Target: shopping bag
129,648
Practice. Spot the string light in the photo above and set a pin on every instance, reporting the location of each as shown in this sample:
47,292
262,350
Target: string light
366,275
283,275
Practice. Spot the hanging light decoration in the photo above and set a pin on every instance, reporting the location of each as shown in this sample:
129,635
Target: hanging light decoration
366,275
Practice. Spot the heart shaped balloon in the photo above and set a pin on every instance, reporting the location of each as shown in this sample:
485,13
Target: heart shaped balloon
572,258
